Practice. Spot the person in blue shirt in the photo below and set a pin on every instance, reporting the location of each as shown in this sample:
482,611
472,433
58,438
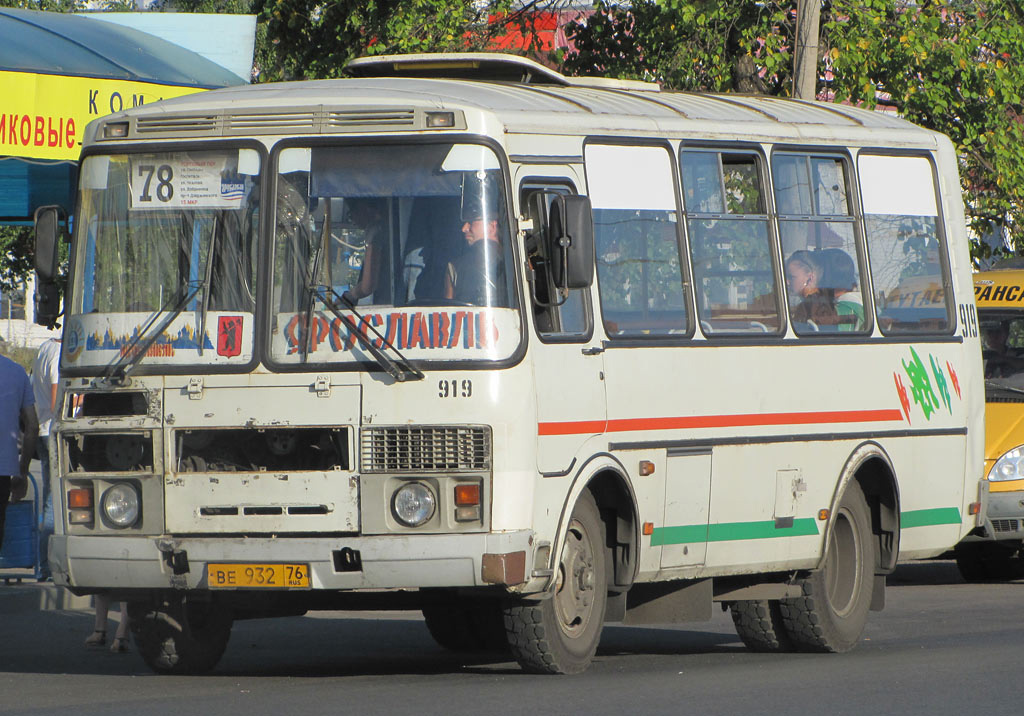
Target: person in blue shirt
18,431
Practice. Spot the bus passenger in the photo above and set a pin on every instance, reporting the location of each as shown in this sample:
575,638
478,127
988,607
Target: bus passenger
804,274
368,216
841,279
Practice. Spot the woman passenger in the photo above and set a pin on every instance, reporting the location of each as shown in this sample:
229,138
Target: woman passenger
805,272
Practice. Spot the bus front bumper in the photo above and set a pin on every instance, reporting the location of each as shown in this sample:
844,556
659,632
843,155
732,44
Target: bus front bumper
1004,515
336,563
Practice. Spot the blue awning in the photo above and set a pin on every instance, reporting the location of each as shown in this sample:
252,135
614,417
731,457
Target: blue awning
65,44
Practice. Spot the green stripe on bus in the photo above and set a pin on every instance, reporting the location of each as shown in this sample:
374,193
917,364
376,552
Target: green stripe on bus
690,534
927,518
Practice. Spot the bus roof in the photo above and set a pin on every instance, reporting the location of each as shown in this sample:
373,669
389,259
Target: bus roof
537,102
1000,288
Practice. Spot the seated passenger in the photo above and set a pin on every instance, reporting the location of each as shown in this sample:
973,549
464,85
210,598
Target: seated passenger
841,279
367,215
804,274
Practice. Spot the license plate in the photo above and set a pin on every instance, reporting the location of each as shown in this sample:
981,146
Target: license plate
257,576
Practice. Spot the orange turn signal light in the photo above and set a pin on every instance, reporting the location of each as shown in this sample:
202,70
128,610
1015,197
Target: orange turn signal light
80,497
648,528
823,515
974,508
646,468
467,494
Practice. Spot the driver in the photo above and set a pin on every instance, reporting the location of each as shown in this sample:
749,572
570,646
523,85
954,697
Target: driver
475,276
1001,361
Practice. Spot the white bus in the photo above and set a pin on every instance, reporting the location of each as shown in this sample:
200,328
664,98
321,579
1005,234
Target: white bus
528,353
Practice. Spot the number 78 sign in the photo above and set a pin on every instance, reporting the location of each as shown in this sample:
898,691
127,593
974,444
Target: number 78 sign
160,182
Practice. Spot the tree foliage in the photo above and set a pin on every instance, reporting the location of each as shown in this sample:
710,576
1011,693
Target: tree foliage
956,66
315,38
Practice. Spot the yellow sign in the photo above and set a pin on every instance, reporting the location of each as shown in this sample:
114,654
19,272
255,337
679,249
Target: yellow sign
44,116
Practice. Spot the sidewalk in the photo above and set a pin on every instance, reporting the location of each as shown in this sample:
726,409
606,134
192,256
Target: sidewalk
28,595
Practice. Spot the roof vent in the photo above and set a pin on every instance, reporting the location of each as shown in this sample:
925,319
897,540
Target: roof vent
485,66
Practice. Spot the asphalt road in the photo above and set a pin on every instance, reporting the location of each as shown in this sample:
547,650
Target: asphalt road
940,647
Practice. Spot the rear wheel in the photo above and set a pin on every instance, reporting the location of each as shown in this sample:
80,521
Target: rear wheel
989,562
560,635
831,614
176,636
760,625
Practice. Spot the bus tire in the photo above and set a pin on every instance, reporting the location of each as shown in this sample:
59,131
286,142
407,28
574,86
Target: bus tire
560,635
467,625
989,562
176,636
831,614
760,625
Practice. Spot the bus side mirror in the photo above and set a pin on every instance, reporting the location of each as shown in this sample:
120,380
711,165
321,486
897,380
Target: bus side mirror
48,237
571,241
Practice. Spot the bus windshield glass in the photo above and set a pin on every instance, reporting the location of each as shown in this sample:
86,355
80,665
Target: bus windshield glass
414,238
165,259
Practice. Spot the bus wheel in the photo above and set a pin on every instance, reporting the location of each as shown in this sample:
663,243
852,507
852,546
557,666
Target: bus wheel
467,625
760,626
831,614
560,635
989,562
176,636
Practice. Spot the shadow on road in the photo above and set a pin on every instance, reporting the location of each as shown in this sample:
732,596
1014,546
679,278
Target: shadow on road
925,572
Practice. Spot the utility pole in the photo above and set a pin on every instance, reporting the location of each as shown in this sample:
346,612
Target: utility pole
805,57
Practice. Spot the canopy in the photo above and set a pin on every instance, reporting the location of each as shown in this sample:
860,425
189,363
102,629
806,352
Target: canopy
60,71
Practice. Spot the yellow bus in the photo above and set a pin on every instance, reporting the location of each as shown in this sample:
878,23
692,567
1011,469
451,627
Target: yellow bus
993,550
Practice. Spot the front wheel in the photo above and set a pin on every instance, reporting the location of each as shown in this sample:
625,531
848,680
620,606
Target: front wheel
560,635
831,614
177,636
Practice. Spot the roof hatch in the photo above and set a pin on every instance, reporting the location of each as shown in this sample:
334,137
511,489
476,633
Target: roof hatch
486,66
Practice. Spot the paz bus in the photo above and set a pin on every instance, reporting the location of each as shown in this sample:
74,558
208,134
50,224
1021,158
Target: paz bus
993,550
526,352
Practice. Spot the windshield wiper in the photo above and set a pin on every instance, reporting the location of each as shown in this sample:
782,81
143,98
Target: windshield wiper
401,370
207,281
118,370
993,385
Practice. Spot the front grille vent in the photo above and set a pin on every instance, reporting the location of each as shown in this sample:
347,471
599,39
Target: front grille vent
181,124
365,118
257,121
426,448
1004,525
275,122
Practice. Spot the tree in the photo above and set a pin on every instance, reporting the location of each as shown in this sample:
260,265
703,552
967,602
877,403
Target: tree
956,66
315,38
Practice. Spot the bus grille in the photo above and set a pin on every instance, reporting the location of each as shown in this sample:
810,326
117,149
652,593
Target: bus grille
426,448
1004,525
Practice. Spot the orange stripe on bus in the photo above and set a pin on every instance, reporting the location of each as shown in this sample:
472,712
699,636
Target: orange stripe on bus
718,421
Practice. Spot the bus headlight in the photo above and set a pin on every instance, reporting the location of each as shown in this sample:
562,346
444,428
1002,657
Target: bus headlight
413,504
1009,467
121,505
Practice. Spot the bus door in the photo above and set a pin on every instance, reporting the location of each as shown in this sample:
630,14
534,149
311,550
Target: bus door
645,316
568,363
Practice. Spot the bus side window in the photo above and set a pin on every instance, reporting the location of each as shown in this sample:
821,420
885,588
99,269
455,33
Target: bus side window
727,227
905,244
569,321
636,240
819,244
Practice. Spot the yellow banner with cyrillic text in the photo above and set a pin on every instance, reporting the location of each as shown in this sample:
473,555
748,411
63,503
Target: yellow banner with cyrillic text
44,116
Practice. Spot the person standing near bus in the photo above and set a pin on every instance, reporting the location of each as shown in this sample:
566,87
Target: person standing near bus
44,389
17,422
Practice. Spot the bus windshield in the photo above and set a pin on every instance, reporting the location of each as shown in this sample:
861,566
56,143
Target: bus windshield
414,237
165,259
